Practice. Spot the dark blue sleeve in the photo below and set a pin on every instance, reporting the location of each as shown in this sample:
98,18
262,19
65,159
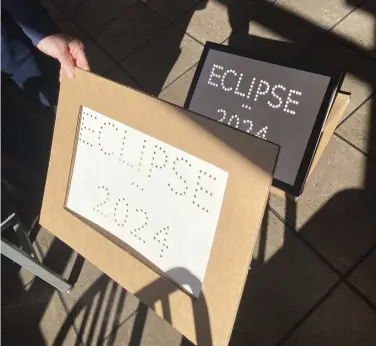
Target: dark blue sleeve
32,17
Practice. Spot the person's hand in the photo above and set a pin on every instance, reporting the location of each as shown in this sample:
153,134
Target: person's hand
68,50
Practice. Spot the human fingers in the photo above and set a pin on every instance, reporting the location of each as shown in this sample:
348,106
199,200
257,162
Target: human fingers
77,52
66,63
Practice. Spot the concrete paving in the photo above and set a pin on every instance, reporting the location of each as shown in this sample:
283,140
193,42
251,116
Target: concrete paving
313,276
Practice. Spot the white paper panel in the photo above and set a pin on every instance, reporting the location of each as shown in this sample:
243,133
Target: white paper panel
160,200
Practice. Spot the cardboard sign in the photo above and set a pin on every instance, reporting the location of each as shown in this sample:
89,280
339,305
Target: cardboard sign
281,104
248,161
162,201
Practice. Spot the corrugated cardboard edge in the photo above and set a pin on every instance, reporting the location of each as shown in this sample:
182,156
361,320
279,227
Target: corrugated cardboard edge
341,102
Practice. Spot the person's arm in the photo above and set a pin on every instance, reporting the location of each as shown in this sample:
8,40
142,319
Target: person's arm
32,17
34,20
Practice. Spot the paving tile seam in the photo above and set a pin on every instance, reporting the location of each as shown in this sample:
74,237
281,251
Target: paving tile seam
154,37
145,4
181,15
347,15
355,110
321,32
79,4
321,301
118,64
329,293
70,319
324,298
62,299
161,31
68,310
362,259
109,57
245,23
108,22
315,306
116,328
189,35
139,49
263,3
92,39
174,22
342,276
314,24
361,295
134,78
67,16
348,142
342,279
353,287
150,39
352,45
306,242
104,25
180,76
369,158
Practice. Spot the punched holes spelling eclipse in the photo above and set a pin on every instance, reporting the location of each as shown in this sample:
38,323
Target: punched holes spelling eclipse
284,105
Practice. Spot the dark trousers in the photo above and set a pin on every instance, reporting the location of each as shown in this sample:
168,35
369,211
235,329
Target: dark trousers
33,72
29,97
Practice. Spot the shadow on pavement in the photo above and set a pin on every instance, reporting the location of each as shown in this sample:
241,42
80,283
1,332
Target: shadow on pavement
271,282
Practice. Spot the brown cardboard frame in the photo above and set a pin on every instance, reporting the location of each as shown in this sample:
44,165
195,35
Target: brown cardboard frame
250,162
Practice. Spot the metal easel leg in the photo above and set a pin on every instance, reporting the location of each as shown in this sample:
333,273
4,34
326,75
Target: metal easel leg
34,266
29,262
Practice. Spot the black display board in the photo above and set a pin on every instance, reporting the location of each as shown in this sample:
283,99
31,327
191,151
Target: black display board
284,105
